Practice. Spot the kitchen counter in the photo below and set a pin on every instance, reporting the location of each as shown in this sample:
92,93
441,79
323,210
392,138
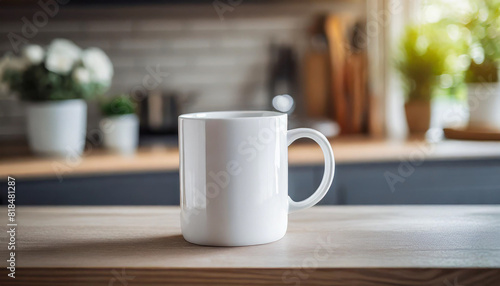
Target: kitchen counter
161,158
368,245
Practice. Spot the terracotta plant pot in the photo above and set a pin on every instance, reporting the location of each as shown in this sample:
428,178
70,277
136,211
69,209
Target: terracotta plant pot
418,116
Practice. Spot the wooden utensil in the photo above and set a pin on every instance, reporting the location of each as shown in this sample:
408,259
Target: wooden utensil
334,28
316,83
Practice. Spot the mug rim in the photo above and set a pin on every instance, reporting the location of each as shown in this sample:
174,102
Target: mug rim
232,115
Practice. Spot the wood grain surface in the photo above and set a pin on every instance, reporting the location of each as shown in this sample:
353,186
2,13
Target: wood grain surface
257,276
472,134
161,158
347,245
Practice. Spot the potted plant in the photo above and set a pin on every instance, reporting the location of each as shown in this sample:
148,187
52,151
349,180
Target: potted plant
120,125
54,82
420,61
482,76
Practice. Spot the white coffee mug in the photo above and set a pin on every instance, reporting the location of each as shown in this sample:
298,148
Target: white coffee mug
234,176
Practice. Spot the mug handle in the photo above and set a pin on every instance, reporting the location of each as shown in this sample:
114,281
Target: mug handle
327,180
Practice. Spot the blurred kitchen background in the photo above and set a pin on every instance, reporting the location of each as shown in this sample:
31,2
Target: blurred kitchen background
387,81
213,62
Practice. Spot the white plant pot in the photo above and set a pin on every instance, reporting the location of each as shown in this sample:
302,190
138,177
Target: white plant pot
57,128
484,105
121,133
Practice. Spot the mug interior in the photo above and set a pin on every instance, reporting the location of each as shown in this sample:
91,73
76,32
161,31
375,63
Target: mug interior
231,114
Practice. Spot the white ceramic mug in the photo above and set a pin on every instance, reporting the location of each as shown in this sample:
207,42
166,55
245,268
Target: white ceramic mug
234,176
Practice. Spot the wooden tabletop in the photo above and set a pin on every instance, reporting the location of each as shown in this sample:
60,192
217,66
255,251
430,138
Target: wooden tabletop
341,245
165,158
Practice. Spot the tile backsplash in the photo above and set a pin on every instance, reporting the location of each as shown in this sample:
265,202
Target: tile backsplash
222,61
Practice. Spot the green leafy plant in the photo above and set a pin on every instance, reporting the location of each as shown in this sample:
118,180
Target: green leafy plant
423,56
118,105
61,71
484,25
487,71
37,83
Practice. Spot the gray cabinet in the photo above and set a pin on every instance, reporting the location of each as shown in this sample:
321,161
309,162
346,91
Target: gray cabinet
434,182
159,188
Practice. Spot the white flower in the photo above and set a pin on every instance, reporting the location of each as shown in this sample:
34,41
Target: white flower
81,75
33,54
62,56
99,65
59,64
